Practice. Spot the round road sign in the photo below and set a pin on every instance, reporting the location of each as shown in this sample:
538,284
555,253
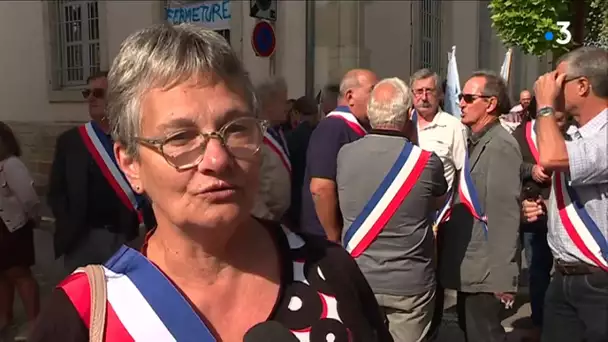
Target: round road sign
263,39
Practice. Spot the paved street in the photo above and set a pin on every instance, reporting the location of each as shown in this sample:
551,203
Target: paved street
49,271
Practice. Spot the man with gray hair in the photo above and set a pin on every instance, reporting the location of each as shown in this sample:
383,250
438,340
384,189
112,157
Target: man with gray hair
274,192
478,258
388,217
576,302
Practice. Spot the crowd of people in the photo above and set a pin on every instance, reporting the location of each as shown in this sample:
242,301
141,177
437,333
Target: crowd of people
340,218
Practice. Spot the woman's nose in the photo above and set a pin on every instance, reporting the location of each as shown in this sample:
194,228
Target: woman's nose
215,157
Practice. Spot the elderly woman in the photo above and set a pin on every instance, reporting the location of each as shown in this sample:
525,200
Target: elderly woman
183,116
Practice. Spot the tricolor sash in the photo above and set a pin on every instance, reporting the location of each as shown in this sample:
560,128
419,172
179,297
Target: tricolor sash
343,113
276,141
582,230
385,201
100,147
143,305
468,196
530,130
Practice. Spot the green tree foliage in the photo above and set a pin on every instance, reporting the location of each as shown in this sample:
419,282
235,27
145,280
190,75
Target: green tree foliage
597,23
523,23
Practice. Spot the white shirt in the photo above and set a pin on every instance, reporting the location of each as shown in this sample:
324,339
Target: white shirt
446,136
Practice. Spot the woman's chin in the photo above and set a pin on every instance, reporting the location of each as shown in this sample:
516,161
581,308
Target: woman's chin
217,215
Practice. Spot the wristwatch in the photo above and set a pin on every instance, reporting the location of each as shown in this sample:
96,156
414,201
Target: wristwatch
545,111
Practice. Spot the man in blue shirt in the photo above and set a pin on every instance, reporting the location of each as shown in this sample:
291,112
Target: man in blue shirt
320,213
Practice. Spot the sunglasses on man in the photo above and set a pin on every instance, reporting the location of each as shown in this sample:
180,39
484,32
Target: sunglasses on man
96,92
470,98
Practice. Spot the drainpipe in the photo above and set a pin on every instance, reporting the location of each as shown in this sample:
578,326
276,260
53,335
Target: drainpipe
309,68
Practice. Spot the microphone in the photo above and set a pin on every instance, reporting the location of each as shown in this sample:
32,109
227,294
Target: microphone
270,331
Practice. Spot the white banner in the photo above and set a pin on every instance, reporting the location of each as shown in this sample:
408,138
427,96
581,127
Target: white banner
213,15
452,88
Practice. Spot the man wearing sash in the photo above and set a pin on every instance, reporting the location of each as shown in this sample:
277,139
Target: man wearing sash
535,182
576,303
320,212
481,235
441,133
94,207
274,192
388,216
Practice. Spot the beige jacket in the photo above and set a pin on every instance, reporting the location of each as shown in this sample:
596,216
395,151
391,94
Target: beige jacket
274,194
19,202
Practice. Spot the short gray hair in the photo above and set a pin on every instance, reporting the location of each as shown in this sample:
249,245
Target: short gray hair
347,83
496,87
164,56
423,74
393,112
592,63
270,88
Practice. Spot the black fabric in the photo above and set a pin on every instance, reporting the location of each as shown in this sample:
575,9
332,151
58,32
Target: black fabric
17,248
479,317
297,143
356,305
544,189
71,195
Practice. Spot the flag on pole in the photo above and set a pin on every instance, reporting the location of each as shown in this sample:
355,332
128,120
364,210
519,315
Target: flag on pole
452,88
505,69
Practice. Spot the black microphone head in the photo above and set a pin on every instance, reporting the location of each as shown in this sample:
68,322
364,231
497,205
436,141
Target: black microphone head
270,331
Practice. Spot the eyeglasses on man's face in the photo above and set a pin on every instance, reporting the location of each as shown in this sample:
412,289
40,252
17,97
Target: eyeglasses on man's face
185,149
470,98
98,93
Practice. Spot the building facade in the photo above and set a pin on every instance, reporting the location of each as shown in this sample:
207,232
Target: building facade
50,48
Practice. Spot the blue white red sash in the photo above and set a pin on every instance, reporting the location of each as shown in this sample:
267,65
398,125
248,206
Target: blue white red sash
582,230
468,196
100,147
530,131
385,201
276,142
343,112
143,305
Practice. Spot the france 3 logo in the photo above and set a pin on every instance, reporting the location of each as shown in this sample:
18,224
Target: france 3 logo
564,35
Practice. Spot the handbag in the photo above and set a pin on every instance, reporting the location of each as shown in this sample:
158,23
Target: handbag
99,297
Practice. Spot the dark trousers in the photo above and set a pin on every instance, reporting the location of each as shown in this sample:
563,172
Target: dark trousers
576,308
479,317
539,261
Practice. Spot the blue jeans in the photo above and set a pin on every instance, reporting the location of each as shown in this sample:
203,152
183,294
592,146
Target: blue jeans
539,261
576,308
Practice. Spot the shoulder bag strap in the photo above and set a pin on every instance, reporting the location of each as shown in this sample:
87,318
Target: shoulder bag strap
97,283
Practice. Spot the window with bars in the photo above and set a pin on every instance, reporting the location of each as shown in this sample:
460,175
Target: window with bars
430,36
484,54
76,43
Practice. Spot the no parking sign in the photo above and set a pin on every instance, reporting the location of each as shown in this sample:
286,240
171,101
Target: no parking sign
263,39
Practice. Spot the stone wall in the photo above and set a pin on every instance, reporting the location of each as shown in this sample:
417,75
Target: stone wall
37,141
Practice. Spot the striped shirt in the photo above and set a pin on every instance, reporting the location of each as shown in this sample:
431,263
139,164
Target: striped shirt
588,158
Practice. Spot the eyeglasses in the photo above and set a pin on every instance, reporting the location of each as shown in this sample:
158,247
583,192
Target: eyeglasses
185,149
423,91
470,98
96,92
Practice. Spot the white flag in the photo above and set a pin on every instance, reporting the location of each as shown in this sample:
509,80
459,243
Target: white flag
505,69
452,88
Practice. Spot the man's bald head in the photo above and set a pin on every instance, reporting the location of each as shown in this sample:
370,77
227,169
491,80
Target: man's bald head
524,98
355,88
389,104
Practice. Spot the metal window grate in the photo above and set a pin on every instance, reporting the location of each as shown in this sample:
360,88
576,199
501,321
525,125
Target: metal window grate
430,36
77,43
